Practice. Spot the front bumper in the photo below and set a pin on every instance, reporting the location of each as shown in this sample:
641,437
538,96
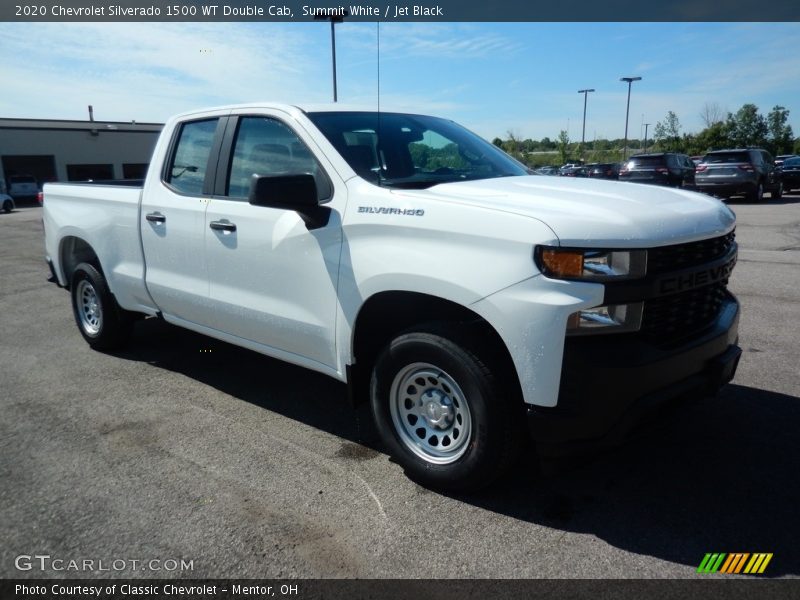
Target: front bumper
791,181
609,383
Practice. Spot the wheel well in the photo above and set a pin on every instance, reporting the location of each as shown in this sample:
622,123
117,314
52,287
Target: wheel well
386,314
75,251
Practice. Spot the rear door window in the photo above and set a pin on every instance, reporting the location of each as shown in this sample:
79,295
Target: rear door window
186,172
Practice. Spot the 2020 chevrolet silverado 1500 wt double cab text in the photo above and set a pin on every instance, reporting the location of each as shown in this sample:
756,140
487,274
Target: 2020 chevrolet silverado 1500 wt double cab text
472,304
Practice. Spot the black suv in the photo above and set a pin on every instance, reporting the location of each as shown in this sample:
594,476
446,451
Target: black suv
662,168
729,173
603,170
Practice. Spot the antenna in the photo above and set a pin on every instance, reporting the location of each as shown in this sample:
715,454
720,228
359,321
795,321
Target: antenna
378,26
378,140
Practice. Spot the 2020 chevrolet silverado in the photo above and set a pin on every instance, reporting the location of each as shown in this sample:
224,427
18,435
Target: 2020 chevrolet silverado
472,303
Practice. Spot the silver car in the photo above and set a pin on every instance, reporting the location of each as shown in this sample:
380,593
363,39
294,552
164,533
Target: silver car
22,186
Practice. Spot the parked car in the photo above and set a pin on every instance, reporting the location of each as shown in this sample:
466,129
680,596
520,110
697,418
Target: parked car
747,171
660,168
603,170
7,202
549,171
22,187
781,158
573,171
790,175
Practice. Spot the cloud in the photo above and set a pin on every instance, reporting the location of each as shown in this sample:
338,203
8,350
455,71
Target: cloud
432,41
492,77
149,71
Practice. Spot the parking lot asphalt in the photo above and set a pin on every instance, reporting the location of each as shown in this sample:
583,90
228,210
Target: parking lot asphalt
183,447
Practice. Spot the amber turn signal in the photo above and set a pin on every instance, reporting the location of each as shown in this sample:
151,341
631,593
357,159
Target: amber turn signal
562,263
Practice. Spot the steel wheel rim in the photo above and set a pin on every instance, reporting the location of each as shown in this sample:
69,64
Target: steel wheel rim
89,309
430,413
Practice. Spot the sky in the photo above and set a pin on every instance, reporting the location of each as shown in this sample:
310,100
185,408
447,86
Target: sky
494,78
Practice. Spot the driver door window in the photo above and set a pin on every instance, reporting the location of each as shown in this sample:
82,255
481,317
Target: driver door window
265,146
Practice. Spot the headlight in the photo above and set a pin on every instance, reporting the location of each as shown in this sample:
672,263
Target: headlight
590,265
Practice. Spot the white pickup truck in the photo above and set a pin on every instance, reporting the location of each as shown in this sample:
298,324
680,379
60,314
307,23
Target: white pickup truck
474,304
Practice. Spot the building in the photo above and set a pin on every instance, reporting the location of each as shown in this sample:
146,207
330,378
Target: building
52,150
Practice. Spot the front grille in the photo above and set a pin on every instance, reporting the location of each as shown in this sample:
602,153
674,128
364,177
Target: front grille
670,320
679,256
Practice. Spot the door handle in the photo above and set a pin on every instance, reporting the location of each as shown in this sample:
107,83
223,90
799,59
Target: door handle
222,226
155,217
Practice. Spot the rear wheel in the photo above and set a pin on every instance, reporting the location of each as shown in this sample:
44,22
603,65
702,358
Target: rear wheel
778,193
101,321
757,194
442,411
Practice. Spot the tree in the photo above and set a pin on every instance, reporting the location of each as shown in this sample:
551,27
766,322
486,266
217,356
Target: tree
715,137
512,145
667,133
781,136
603,151
563,146
712,113
747,127
497,142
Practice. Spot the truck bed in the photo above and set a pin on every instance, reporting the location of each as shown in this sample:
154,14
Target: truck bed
106,215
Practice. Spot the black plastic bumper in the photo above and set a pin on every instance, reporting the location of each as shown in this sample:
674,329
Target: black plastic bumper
609,383
726,189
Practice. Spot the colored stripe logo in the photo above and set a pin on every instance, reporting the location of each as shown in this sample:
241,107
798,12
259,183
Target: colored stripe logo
735,563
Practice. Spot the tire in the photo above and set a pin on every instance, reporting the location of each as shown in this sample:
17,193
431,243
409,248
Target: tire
102,323
757,195
442,411
778,193
8,206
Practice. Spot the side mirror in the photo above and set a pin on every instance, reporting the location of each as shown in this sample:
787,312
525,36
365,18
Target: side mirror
290,192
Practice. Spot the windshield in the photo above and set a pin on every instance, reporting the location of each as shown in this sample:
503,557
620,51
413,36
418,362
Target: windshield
412,151
792,162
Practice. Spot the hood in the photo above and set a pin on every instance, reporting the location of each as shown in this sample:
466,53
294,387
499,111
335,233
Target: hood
591,213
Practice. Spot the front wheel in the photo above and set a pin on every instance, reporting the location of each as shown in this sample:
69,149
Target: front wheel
101,321
8,206
778,193
442,412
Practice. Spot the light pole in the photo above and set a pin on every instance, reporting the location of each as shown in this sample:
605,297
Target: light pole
583,133
335,16
646,125
630,80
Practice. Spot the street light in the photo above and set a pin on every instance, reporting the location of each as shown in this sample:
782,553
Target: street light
334,16
583,134
646,125
630,80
